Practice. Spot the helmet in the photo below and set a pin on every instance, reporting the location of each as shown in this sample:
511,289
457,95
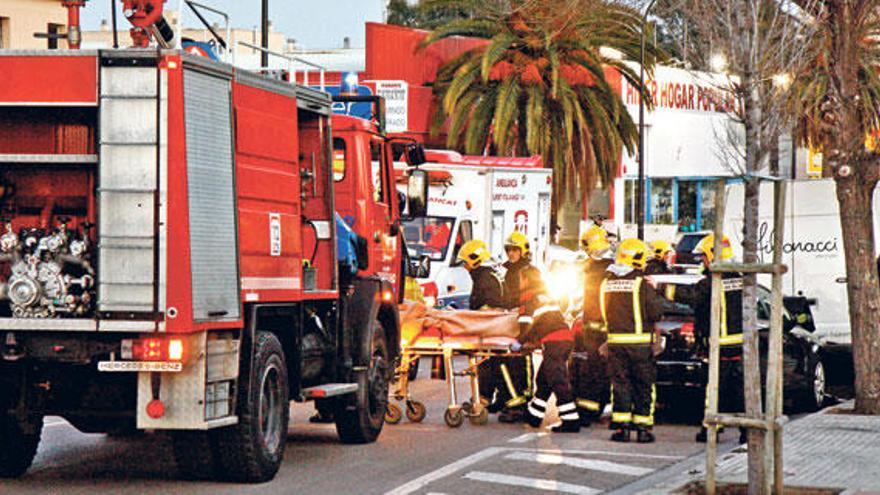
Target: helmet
595,240
632,253
518,240
659,248
707,245
473,253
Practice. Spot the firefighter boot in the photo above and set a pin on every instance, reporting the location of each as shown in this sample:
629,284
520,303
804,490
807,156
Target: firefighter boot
644,435
703,433
512,415
535,412
586,418
743,435
569,426
621,434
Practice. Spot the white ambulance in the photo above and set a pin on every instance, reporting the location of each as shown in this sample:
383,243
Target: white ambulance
476,197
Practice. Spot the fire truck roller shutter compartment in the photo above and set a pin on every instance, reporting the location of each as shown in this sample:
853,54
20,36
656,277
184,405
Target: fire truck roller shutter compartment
210,168
129,135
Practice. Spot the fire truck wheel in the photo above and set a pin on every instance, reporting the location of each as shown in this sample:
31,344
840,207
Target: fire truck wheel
18,445
360,420
252,450
193,454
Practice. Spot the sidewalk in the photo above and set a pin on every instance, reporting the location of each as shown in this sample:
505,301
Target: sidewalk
820,450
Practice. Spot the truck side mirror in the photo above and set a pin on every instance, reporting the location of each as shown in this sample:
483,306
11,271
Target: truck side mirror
415,154
417,193
420,268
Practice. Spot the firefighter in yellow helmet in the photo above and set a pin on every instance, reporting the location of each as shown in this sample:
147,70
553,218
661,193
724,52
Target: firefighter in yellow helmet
658,263
699,296
485,293
629,309
589,373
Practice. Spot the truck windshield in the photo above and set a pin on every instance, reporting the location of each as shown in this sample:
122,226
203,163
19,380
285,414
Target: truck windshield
429,236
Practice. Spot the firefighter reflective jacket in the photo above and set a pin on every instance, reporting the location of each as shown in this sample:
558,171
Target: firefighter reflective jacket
629,306
699,296
522,281
594,275
656,267
486,290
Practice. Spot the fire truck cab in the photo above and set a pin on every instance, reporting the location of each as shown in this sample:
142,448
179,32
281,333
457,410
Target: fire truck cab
188,247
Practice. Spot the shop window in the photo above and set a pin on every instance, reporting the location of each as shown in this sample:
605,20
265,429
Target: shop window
630,189
662,201
707,213
687,206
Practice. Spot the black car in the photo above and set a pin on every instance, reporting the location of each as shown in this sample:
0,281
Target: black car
811,368
684,248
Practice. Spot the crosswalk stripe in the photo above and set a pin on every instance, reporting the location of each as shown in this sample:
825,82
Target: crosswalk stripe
591,464
525,437
536,483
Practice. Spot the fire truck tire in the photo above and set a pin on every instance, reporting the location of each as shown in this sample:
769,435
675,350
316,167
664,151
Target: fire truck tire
193,454
360,419
17,448
252,450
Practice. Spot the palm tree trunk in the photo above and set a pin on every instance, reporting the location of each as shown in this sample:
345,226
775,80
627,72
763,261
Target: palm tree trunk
856,222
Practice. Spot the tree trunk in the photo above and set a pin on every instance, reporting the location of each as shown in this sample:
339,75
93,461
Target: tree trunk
856,222
751,349
854,195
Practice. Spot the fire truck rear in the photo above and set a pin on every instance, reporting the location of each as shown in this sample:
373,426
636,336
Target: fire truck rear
171,257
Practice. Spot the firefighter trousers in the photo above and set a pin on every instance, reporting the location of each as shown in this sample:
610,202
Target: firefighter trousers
493,383
589,376
633,374
731,397
553,379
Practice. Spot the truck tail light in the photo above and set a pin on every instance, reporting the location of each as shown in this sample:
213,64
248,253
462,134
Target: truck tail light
153,349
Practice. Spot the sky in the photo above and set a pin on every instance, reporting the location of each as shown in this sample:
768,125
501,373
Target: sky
313,23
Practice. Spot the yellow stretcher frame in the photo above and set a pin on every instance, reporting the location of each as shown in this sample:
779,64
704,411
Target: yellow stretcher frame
477,352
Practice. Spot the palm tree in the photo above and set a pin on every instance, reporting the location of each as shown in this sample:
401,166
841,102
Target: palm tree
541,85
840,104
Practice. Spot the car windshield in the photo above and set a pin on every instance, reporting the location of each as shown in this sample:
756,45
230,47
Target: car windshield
687,243
429,236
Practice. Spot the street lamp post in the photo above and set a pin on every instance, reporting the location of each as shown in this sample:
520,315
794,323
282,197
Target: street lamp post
640,199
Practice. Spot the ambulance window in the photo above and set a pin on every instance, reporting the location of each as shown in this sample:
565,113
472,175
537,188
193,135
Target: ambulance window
465,233
339,158
377,159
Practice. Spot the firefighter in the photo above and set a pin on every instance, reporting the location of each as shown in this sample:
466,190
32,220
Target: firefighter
629,308
658,263
542,322
699,296
485,293
589,372
521,278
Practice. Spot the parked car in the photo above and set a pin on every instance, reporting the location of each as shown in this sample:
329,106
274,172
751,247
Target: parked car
810,367
684,248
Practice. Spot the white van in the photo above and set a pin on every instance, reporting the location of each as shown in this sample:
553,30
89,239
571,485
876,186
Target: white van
813,248
476,197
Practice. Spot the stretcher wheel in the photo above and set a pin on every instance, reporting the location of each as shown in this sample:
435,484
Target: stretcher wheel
415,411
480,419
453,419
393,414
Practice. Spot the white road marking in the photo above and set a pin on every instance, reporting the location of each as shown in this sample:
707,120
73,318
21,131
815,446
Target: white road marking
450,469
52,424
527,436
591,464
603,453
536,483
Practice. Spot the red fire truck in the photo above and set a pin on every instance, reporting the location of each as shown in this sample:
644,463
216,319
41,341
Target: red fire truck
172,256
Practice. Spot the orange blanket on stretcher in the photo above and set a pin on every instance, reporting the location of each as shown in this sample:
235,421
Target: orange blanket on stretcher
417,320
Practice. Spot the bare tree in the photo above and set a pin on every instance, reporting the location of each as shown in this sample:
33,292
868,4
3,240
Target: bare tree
759,45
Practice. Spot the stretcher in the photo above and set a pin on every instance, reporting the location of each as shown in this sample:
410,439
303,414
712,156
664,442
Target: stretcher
476,335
